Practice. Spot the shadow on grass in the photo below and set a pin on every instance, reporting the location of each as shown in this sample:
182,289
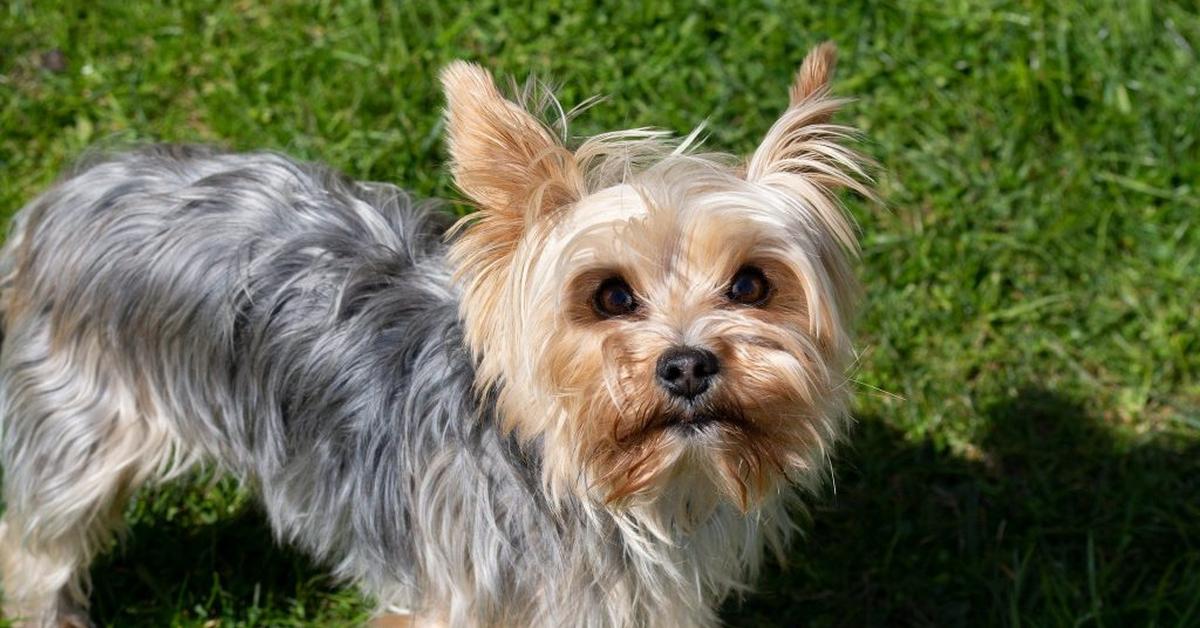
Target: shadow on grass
231,570
1053,523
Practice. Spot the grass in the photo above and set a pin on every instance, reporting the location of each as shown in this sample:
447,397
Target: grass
1028,447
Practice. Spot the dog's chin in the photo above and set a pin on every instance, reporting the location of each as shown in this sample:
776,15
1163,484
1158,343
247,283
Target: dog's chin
698,455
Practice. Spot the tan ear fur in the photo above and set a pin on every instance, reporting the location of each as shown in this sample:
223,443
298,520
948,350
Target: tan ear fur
802,141
502,157
812,79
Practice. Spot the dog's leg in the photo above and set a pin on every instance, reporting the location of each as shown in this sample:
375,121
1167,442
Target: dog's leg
37,582
393,620
76,443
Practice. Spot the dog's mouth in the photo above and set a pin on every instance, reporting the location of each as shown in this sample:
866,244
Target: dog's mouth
700,419
708,418
695,424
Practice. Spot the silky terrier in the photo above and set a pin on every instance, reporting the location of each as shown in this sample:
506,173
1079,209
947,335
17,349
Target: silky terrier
592,402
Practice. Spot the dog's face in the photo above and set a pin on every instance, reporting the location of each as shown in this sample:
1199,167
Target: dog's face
662,322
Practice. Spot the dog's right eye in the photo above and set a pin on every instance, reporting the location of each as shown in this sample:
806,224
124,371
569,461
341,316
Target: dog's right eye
614,298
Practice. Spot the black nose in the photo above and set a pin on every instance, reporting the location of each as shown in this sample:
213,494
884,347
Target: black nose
686,372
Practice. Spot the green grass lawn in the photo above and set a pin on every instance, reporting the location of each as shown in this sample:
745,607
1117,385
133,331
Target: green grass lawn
1028,441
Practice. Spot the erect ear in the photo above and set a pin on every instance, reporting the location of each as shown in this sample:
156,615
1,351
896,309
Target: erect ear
502,157
804,153
812,79
802,141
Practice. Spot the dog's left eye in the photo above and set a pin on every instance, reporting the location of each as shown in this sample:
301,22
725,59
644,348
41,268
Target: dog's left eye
749,287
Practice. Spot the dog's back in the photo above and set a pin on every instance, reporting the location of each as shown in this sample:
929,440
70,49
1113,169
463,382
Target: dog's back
177,304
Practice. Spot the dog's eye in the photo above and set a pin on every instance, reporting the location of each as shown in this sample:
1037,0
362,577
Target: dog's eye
614,298
749,287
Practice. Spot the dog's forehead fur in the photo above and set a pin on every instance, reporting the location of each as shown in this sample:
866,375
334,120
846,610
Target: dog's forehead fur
677,232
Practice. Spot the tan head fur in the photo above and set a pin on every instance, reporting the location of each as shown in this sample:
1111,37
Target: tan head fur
675,231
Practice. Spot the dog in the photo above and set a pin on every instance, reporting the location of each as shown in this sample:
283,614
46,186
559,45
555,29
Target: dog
591,402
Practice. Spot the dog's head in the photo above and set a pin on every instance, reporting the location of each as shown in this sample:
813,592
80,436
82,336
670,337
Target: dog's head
655,317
